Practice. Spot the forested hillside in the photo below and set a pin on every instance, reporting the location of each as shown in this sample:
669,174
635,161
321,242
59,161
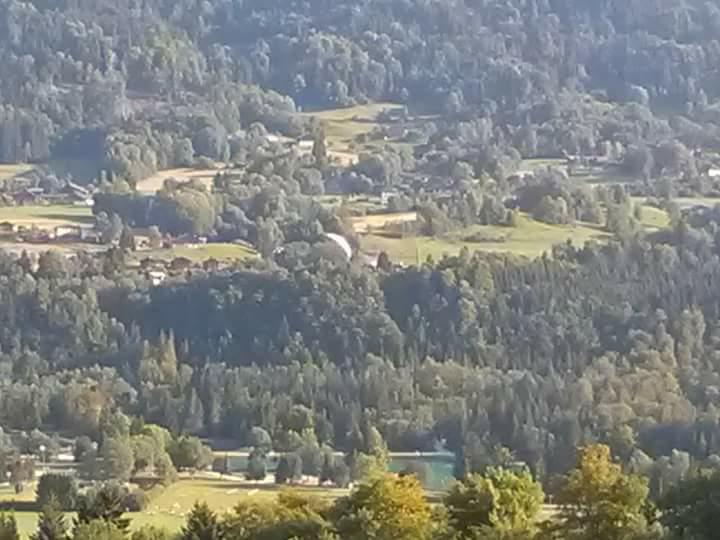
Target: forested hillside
129,83
493,357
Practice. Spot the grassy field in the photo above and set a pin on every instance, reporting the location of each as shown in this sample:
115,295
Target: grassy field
343,126
604,178
168,509
365,224
357,205
203,252
536,164
654,218
153,183
530,238
8,171
606,175
689,202
47,216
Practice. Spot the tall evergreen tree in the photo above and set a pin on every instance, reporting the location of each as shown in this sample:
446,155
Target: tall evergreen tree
107,503
51,523
202,524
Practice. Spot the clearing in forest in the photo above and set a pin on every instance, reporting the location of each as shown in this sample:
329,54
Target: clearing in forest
530,238
154,183
202,252
344,125
365,224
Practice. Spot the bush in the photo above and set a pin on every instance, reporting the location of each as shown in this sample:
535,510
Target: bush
552,210
482,236
83,446
257,467
60,487
136,501
150,532
189,453
98,529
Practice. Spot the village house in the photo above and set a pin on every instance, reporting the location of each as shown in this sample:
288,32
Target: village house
385,197
156,277
68,233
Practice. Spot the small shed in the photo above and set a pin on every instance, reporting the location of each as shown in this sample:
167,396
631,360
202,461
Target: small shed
7,228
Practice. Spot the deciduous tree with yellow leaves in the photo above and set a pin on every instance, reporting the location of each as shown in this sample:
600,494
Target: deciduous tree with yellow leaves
385,508
598,501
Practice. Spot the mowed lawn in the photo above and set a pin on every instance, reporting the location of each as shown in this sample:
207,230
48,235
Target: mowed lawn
654,218
47,216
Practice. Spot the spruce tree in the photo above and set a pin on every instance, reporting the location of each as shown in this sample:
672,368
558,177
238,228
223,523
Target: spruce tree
51,523
283,472
319,149
328,466
107,504
201,524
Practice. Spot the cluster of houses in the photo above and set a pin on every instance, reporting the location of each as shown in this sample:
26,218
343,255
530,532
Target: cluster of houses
37,235
157,270
71,193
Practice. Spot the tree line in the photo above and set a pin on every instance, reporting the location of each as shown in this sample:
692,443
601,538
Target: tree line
596,500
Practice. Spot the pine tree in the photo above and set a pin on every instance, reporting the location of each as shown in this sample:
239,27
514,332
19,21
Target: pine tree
107,504
51,523
282,473
319,149
326,473
201,524
127,239
167,358
193,413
